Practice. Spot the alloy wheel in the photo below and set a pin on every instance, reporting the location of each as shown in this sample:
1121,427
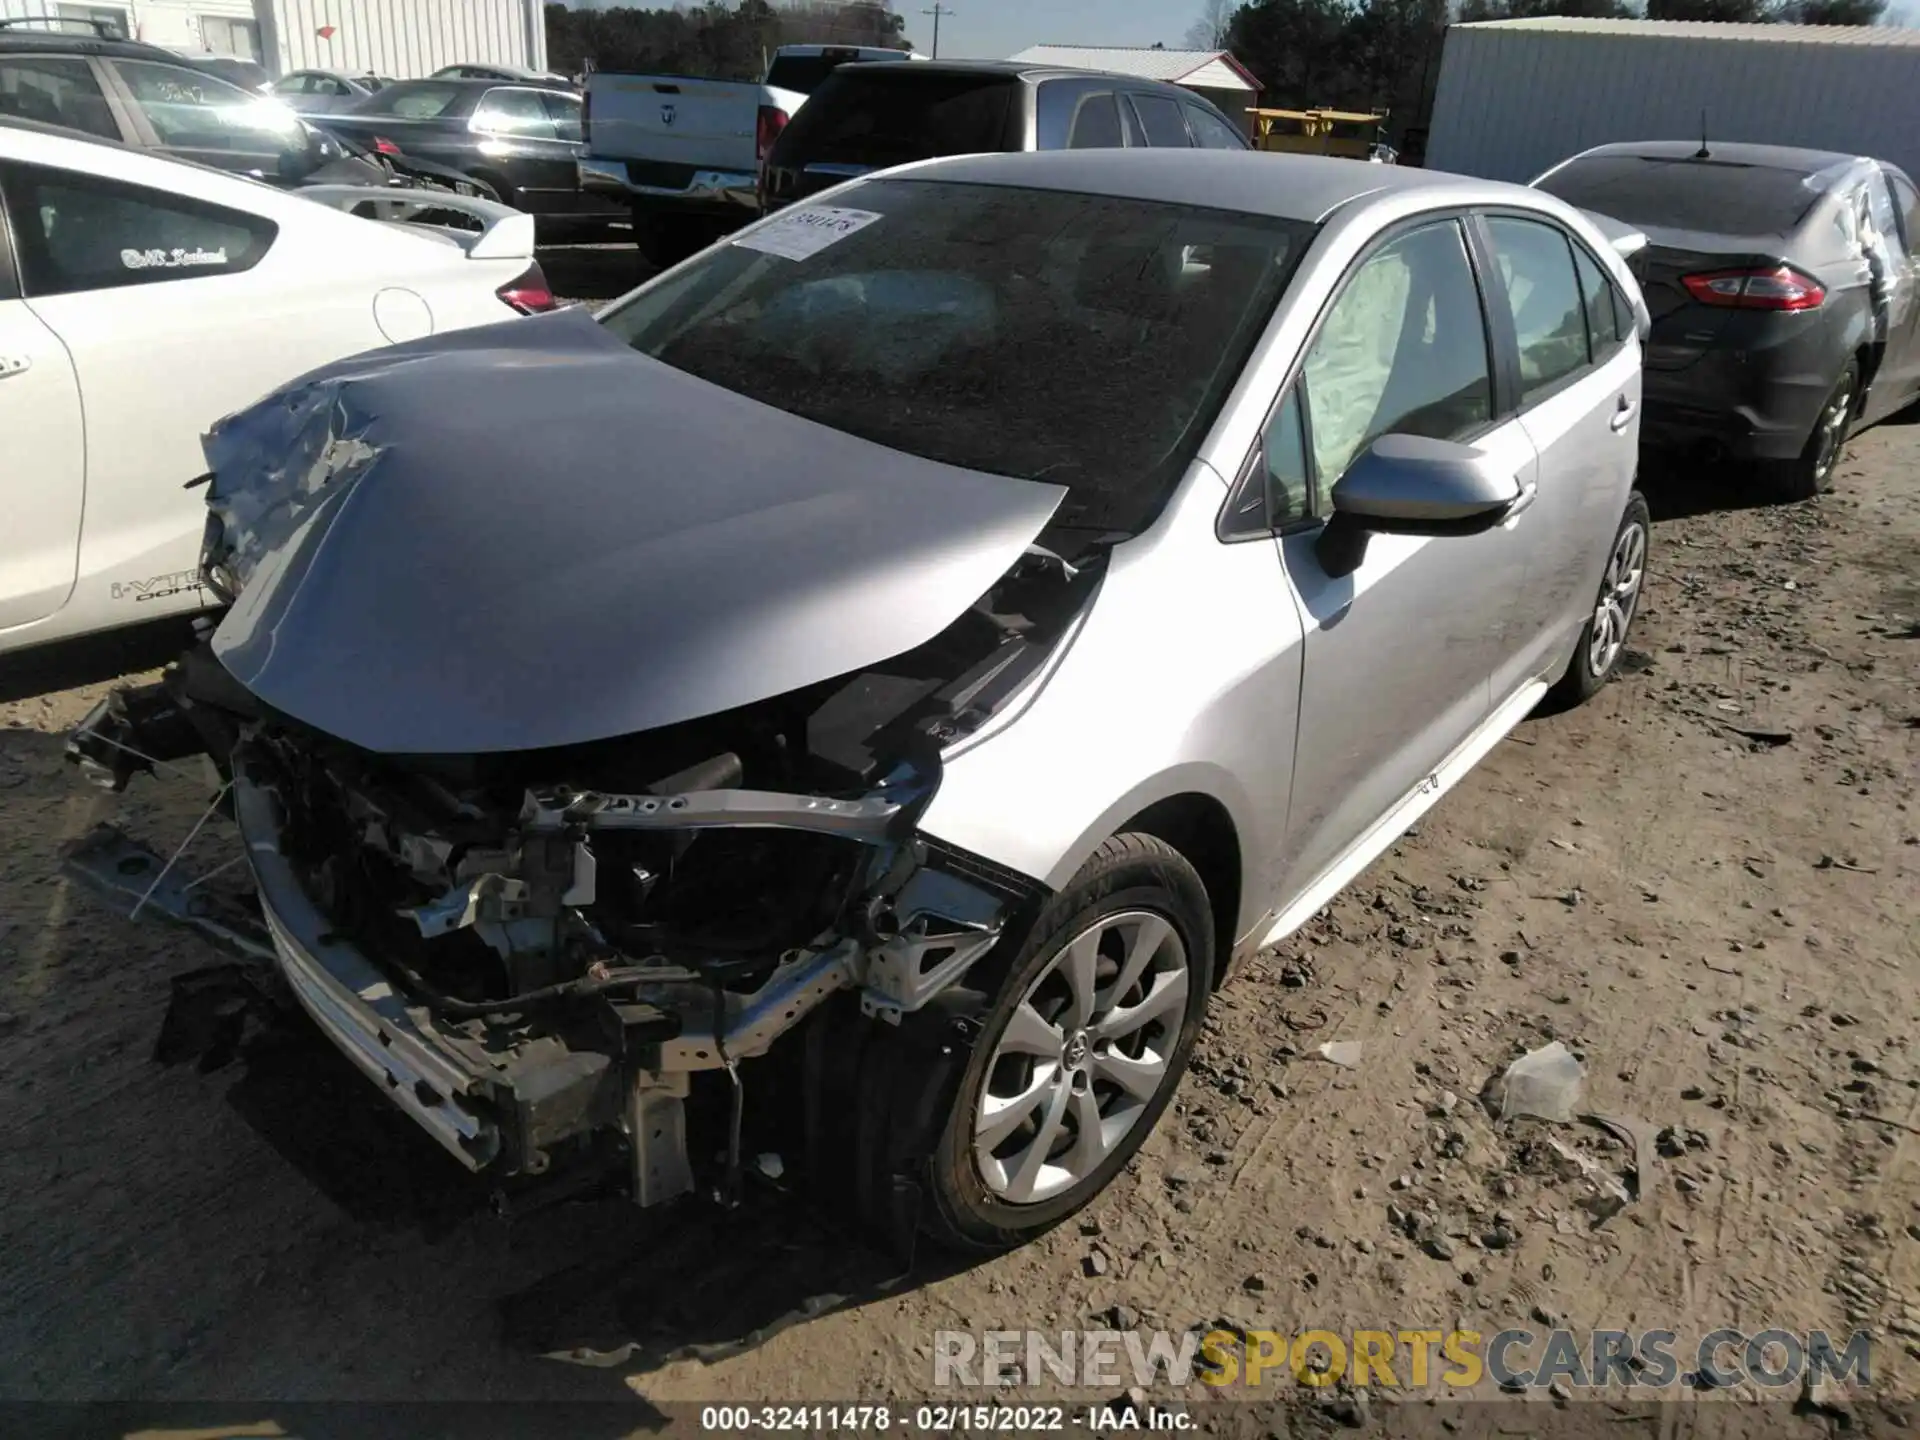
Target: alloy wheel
1832,432
1081,1057
1619,593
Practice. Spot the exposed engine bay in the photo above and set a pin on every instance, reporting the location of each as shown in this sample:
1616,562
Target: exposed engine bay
540,954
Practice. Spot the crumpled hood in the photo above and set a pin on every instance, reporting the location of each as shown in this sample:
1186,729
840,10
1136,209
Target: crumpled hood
529,535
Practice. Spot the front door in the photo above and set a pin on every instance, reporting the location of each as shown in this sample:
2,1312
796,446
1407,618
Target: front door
1398,653
44,478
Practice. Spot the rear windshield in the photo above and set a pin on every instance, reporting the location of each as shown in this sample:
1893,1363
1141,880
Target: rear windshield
803,73
422,100
893,117
1686,194
1083,340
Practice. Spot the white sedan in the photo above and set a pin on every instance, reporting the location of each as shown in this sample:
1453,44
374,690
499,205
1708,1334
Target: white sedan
142,299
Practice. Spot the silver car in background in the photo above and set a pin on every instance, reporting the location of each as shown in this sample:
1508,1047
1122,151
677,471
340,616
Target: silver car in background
868,685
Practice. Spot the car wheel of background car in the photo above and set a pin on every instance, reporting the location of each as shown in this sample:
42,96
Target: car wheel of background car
666,240
1081,1049
1812,472
1603,639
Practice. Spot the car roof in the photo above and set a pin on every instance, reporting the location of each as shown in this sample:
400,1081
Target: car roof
1286,187
67,42
1778,157
1019,69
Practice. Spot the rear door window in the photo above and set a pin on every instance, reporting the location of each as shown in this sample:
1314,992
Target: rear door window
1542,292
1160,118
564,111
1096,124
55,91
892,117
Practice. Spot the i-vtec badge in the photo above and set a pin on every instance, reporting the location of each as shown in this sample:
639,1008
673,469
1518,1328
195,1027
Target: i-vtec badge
159,587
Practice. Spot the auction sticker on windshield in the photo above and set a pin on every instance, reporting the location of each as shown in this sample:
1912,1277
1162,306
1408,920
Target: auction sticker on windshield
799,233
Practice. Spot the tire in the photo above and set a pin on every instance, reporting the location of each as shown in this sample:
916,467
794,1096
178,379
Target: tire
1811,472
1136,897
1598,654
666,240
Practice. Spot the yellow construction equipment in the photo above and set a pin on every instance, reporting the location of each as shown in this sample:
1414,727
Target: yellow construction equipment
1349,133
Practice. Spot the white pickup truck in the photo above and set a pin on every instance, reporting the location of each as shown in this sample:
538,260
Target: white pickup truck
685,154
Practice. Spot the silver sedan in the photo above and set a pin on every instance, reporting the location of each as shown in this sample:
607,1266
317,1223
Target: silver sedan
862,690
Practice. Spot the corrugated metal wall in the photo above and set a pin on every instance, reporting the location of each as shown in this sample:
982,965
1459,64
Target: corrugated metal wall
1512,103
403,38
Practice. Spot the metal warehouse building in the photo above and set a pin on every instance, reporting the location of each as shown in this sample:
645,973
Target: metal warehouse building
1515,96
402,38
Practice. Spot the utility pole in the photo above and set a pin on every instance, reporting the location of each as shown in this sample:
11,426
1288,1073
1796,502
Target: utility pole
936,12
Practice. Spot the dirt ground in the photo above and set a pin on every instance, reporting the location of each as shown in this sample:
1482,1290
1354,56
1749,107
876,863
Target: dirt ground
1704,882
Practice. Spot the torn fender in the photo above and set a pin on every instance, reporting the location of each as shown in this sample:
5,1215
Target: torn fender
529,535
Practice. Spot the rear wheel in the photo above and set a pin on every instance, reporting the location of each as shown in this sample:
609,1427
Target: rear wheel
1081,1050
1603,639
665,239
1811,471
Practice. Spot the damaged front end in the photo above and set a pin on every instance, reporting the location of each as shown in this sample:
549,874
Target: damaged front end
557,953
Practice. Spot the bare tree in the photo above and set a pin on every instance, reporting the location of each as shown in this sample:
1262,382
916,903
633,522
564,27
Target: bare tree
1209,32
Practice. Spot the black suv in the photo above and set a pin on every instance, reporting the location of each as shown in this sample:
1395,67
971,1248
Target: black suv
889,112
93,82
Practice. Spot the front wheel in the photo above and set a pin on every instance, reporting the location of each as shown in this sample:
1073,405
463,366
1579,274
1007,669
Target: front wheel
1603,639
1081,1050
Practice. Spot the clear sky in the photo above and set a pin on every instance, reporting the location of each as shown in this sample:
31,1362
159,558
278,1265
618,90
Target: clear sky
994,29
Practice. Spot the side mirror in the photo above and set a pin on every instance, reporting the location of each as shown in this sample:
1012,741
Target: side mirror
1412,485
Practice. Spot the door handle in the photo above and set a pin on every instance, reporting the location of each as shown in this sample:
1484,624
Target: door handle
1521,502
1623,414
15,365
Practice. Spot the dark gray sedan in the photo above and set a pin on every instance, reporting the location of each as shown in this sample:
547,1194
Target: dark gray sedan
1782,285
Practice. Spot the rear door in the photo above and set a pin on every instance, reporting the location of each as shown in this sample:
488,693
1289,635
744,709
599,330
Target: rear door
1577,389
46,456
526,143
197,117
1899,378
865,118
1160,120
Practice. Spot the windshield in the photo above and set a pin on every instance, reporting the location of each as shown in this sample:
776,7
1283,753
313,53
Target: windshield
1083,340
1686,194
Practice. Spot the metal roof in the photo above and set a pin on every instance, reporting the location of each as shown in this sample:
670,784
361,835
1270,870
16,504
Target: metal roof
1885,35
1197,69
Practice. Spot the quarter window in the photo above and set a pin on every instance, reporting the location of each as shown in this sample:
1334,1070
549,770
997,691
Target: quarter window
1212,132
55,91
1543,296
1160,118
77,232
1403,350
1284,449
1096,124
